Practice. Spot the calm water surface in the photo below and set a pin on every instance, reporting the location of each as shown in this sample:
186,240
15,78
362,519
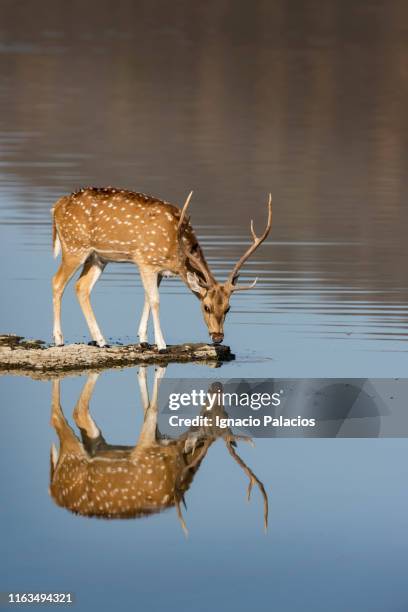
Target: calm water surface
232,100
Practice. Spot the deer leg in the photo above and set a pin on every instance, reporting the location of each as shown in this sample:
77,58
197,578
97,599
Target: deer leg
144,319
68,267
148,434
159,373
66,435
81,413
92,270
144,392
151,281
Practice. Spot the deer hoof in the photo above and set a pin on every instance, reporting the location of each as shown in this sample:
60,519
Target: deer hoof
163,351
144,345
93,343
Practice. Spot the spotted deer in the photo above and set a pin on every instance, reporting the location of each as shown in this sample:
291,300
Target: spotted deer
93,478
95,226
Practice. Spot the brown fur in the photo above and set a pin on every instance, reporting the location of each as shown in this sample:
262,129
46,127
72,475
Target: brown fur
92,478
95,226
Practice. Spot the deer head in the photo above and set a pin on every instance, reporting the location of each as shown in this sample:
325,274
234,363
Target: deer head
93,478
214,296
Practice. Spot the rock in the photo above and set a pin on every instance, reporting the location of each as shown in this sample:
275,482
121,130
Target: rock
34,358
10,339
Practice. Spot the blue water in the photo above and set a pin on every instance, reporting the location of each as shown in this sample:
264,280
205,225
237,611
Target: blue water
336,537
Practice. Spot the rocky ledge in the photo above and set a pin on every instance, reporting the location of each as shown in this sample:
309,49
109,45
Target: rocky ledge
28,356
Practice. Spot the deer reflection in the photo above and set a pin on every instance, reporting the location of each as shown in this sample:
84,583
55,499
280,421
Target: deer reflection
93,478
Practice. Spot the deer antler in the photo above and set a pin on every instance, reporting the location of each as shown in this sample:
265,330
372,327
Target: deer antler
196,259
233,277
183,213
178,489
177,499
252,478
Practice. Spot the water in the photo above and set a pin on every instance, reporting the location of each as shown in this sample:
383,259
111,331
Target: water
233,101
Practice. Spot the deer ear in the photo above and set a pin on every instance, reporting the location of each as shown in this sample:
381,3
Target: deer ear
194,283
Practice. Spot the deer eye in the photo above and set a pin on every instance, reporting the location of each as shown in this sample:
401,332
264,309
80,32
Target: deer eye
207,309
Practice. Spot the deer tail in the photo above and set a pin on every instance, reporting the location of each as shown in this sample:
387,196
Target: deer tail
56,243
